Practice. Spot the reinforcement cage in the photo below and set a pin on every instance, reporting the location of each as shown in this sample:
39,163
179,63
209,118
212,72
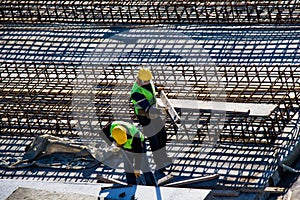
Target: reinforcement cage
254,46
36,98
151,12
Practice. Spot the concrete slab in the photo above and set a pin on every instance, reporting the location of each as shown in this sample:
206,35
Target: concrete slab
34,194
151,193
22,189
8,186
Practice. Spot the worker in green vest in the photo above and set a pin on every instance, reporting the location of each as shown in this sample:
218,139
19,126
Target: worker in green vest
143,97
128,137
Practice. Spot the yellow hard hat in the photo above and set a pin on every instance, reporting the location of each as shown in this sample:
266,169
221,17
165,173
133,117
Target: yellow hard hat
119,134
145,74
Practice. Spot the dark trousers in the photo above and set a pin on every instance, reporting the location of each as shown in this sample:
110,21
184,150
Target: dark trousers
155,131
142,159
149,178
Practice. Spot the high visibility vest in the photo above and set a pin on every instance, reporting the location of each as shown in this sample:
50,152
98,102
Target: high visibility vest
150,96
131,130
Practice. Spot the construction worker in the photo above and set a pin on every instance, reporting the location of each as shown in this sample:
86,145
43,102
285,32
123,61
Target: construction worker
129,138
143,97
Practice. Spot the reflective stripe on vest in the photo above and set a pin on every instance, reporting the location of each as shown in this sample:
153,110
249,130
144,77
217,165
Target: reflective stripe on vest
150,96
132,132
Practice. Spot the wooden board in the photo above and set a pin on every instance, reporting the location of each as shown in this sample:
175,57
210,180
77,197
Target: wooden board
192,180
102,179
164,180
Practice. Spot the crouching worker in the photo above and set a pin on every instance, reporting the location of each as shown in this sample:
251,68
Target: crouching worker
133,147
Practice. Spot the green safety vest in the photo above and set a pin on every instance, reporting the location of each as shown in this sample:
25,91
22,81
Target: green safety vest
150,96
133,130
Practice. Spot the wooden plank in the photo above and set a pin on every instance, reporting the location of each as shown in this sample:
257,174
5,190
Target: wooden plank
236,192
192,180
114,187
109,180
165,180
276,190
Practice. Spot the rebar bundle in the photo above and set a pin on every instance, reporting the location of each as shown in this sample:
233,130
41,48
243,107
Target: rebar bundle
150,12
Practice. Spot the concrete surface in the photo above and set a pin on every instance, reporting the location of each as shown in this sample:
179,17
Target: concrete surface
8,186
36,190
151,193
32,194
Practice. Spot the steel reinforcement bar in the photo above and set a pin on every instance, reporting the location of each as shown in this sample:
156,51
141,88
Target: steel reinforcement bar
36,98
279,85
111,12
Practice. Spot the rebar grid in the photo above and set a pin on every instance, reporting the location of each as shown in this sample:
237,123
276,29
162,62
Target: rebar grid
37,98
44,43
150,12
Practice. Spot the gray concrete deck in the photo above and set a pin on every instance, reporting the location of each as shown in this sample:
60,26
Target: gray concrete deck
34,190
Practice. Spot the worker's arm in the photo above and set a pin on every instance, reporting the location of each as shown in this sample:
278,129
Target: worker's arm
141,100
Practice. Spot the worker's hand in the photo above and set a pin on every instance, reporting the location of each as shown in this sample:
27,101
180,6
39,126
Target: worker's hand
115,149
158,90
137,173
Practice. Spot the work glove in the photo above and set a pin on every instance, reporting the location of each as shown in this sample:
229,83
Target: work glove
158,90
115,149
137,173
